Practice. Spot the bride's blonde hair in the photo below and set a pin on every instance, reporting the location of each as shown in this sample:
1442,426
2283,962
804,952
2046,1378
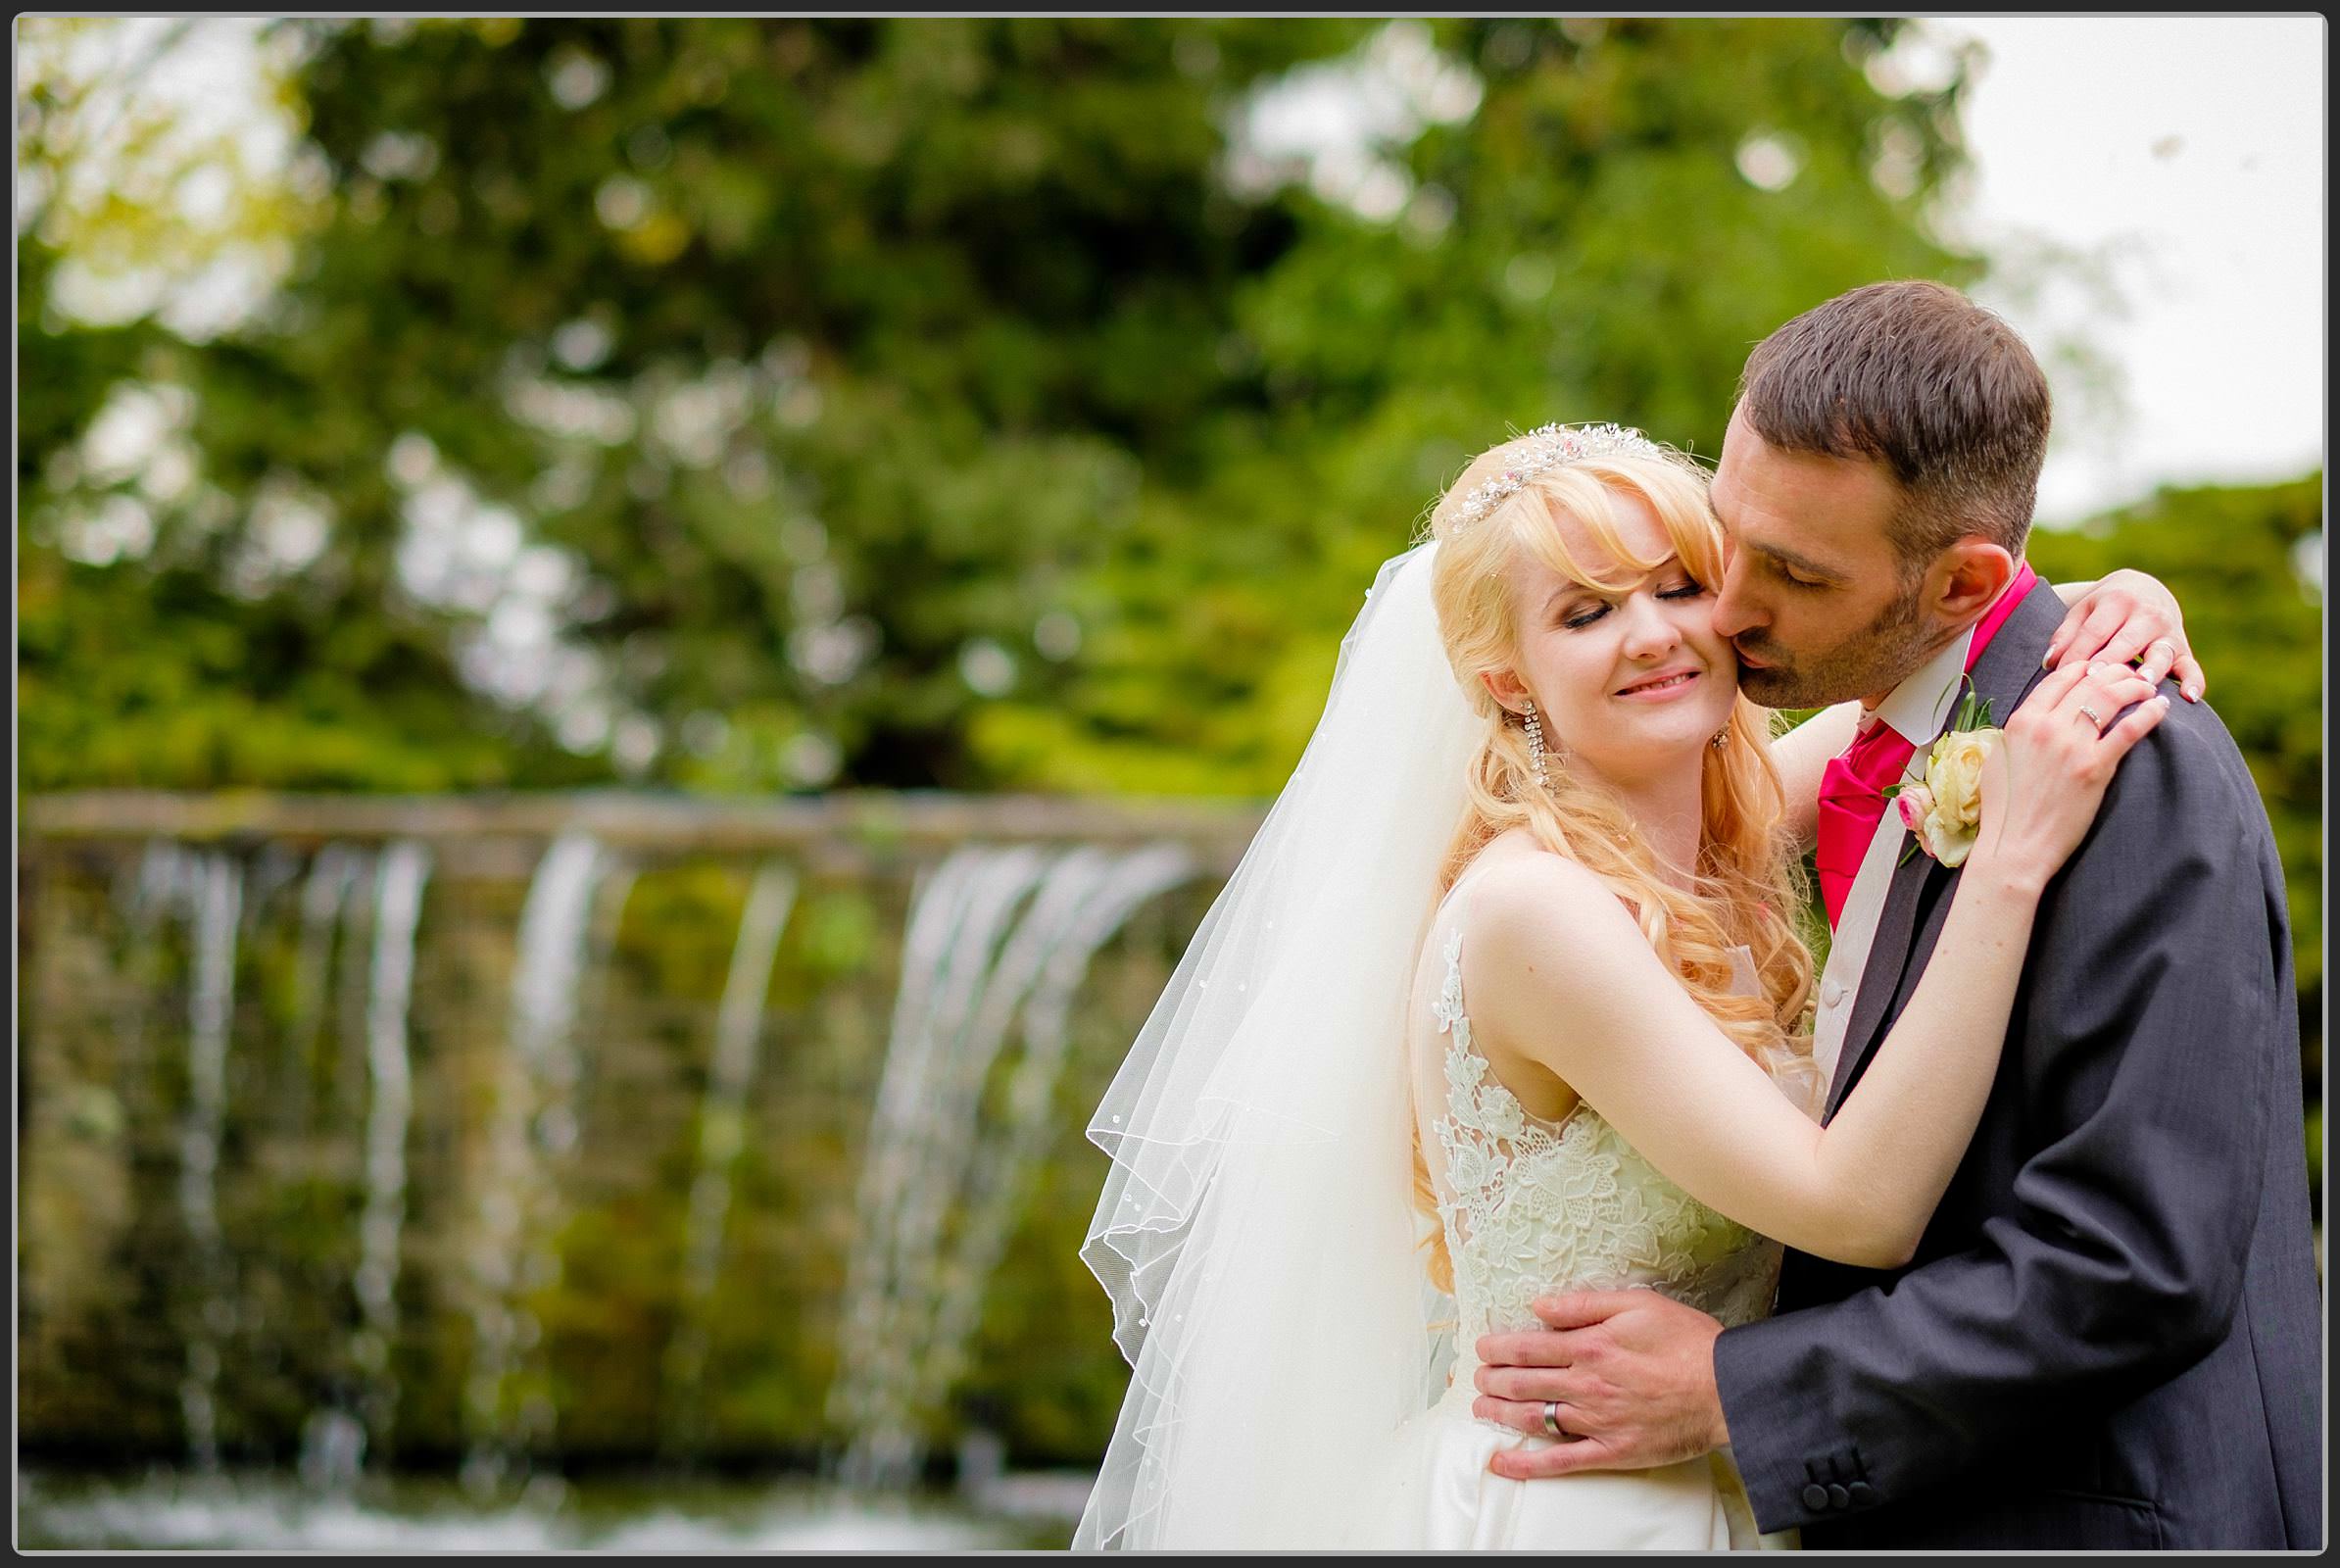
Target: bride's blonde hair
1747,877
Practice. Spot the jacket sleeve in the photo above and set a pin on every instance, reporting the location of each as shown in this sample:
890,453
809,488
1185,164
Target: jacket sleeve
2147,1051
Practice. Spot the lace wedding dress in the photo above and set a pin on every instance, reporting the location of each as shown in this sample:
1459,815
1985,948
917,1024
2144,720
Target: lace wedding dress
1531,1207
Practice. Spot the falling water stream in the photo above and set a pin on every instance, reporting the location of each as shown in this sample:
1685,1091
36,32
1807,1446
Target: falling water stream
721,1132
335,1441
211,887
534,1118
958,917
970,967
1004,1160
997,941
404,867
335,875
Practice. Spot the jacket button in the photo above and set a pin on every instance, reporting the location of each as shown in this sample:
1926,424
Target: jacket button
1816,1496
1838,1495
1832,993
1863,1494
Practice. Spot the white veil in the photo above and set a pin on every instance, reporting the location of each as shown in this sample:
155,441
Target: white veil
1257,1232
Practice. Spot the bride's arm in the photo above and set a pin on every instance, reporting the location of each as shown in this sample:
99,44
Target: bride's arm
1800,756
1558,973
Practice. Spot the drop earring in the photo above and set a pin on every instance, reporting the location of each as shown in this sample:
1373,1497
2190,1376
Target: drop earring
1536,742
1717,742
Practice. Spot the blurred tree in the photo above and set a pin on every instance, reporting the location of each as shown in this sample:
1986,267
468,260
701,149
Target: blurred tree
161,639
1630,206
751,403
735,399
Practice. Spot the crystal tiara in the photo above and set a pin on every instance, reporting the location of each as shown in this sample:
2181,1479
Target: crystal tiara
1550,446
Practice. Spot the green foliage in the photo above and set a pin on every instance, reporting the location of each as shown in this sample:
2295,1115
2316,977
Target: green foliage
891,403
1581,247
130,675
873,324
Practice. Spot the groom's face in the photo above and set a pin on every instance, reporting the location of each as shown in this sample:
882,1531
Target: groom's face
1814,596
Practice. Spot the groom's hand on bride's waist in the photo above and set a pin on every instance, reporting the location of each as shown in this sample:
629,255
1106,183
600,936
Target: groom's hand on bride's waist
1629,1376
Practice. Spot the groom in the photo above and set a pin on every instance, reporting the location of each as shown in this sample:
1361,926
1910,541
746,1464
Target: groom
2110,1335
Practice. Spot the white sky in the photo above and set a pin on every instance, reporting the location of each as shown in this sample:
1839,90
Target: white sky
2187,152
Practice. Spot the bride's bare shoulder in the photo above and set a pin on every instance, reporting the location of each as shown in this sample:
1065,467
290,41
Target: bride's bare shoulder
1527,897
1547,943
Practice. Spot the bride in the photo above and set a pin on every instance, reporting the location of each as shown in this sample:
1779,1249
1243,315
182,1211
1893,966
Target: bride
1504,999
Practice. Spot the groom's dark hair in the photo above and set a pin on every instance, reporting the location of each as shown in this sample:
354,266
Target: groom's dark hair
1922,380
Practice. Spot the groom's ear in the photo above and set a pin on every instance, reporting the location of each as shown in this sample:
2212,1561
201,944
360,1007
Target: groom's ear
1965,578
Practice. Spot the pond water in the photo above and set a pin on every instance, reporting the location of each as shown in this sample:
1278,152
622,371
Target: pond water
274,1511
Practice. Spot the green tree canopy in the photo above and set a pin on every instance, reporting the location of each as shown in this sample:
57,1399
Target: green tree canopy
754,404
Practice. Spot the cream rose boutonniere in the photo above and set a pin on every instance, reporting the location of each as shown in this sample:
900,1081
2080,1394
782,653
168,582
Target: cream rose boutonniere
1943,812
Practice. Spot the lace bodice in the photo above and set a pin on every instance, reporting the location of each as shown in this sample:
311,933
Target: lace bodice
1531,1207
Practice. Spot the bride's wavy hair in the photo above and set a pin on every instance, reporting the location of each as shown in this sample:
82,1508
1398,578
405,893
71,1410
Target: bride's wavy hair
1748,877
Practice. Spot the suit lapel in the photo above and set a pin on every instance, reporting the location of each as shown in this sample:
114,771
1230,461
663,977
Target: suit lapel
2008,668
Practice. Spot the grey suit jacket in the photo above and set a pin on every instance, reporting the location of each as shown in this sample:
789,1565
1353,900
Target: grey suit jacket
2109,1336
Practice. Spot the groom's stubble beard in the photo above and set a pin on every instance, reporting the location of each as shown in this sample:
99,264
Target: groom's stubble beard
1877,658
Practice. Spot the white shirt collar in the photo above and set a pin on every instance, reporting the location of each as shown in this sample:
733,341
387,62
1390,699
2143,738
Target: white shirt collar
1923,702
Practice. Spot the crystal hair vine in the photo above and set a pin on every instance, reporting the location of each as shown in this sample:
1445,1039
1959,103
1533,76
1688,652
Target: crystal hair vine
1550,446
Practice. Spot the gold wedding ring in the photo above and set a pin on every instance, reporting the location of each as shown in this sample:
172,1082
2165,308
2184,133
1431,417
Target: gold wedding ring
2093,716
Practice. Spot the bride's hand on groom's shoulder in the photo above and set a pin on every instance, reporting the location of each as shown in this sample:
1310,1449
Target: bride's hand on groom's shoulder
2042,783
1629,1376
2123,616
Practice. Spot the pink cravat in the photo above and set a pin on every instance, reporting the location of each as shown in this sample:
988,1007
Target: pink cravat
1852,786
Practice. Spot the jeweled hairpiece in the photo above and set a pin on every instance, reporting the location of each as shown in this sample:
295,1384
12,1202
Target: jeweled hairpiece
1550,445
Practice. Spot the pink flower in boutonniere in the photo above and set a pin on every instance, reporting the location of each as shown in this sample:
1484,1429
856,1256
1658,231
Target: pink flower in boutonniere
1913,803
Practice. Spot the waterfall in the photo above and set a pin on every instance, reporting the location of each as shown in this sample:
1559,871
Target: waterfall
211,887
346,1098
721,1135
335,1441
555,928
157,888
337,1091
333,879
955,924
996,1182
398,906
533,1121
912,1294
598,977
